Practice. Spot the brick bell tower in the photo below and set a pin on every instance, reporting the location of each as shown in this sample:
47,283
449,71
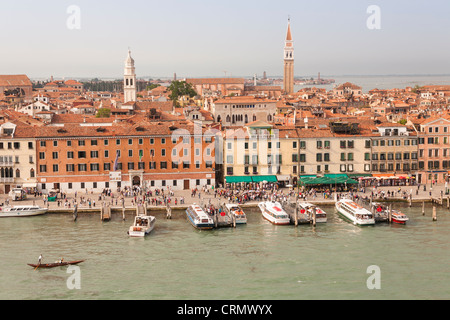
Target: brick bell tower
288,80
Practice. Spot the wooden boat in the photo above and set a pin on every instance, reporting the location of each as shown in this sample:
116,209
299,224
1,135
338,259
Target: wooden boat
56,264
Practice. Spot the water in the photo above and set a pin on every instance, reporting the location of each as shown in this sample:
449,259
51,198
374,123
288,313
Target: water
253,261
384,81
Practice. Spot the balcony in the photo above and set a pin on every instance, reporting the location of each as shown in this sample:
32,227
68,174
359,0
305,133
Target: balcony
6,180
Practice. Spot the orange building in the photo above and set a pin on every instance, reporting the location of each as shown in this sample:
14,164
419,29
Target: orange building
135,152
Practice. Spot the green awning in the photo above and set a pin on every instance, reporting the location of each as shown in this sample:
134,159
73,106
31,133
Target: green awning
335,175
238,179
264,178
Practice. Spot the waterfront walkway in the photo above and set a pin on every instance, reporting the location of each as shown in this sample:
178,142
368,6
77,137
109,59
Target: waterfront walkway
94,201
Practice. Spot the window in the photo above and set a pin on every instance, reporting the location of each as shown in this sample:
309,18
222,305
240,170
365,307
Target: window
94,154
70,167
343,144
69,143
43,168
69,154
163,165
41,155
130,165
107,166
17,144
55,155
93,142
95,167
82,167
81,154
81,142
42,143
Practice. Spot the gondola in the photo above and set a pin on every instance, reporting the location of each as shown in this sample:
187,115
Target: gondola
56,264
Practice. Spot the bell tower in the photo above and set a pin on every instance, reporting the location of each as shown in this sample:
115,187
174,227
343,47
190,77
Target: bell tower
288,80
129,80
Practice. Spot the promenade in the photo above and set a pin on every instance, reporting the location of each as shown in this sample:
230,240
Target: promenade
184,198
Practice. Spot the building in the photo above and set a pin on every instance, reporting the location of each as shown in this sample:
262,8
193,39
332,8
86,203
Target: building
135,152
16,85
260,152
288,78
218,87
129,80
434,150
239,111
394,151
17,152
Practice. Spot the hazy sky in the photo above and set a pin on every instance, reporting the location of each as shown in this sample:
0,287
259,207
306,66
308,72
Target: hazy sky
208,38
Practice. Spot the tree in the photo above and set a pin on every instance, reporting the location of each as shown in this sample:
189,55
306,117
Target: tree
179,89
103,113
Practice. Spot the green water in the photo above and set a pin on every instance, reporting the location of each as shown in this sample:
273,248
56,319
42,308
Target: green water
253,261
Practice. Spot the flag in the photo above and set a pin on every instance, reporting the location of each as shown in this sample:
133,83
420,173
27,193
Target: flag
141,154
116,162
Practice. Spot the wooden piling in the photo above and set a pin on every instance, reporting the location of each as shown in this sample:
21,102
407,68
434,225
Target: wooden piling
296,214
423,208
448,202
314,217
390,213
434,214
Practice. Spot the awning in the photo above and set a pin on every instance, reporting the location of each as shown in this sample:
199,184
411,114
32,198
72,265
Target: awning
335,175
264,178
238,179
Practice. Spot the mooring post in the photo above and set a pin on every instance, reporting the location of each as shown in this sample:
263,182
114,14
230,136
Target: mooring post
423,208
448,202
434,214
410,200
390,213
314,217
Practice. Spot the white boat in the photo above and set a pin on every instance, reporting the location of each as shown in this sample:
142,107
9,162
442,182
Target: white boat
354,212
22,211
238,213
199,218
142,226
321,216
274,213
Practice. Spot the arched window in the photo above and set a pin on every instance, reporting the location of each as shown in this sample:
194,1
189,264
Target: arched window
32,173
17,173
126,82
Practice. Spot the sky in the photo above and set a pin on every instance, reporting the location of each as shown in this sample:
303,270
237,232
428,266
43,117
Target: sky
210,38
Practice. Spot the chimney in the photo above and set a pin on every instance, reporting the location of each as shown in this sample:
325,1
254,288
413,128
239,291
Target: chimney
306,123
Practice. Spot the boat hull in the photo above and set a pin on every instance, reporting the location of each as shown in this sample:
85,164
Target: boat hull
200,225
54,265
359,222
271,219
139,234
9,214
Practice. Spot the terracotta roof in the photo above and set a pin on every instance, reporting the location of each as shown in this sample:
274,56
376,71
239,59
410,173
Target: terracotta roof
14,80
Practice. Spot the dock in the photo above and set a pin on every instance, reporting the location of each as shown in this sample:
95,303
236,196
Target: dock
295,216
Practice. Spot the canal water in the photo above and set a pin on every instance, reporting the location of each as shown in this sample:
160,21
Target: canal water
257,261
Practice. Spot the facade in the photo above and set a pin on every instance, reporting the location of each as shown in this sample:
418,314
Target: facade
394,150
129,80
76,157
434,150
217,87
239,111
288,78
17,157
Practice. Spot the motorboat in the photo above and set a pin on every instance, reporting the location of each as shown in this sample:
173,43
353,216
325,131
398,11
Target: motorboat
22,211
238,213
354,212
381,212
199,218
142,226
274,212
308,208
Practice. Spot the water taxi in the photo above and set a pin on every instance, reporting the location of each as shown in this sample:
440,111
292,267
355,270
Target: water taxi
354,212
238,213
199,218
22,211
142,226
307,208
274,213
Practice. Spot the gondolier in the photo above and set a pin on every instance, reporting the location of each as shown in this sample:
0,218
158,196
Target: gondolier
40,259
